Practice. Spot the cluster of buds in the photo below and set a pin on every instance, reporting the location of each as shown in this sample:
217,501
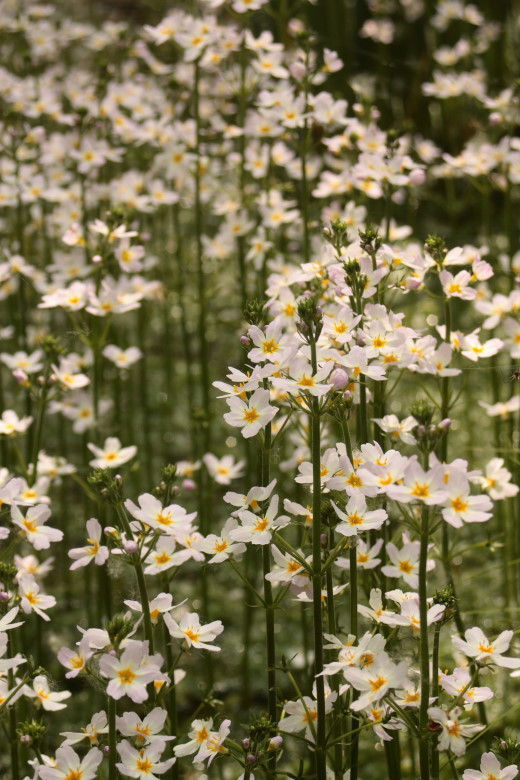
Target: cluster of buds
436,248
119,627
167,488
261,741
310,317
337,234
506,748
428,433
446,597
31,733
254,312
370,240
108,485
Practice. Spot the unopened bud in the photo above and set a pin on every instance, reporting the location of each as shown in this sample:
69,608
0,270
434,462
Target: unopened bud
131,546
245,341
20,376
417,176
4,596
25,739
339,378
275,743
189,485
106,750
445,424
246,742
297,70
323,540
97,259
250,758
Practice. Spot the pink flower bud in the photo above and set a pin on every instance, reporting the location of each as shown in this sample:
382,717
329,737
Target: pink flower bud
189,485
495,118
97,259
245,341
275,743
297,70
4,596
131,546
20,376
417,177
339,378
250,758
445,424
246,742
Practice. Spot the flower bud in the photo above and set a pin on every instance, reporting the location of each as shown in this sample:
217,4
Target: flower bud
189,485
297,70
445,424
131,546
417,176
245,341
250,758
339,378
246,742
20,376
275,743
97,259
4,596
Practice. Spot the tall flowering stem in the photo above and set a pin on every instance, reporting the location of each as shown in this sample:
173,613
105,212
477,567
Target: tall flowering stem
311,319
112,739
424,759
268,599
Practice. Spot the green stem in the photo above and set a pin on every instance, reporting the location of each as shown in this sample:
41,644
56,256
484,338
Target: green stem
424,652
321,764
112,740
141,584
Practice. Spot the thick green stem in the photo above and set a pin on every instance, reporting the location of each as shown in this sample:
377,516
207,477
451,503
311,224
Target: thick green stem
141,584
321,763
112,740
424,741
201,283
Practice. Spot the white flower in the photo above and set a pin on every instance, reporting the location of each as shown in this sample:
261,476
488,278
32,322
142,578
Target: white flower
222,546
69,766
98,725
33,528
31,598
497,480
11,424
49,700
172,520
251,415
258,529
111,455
82,556
143,764
190,629
478,646
452,730
130,674
223,470
143,730
490,768
75,660
357,518
122,358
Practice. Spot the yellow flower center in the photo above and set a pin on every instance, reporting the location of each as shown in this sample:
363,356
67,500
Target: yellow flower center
251,415
378,683
421,491
459,505
126,676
